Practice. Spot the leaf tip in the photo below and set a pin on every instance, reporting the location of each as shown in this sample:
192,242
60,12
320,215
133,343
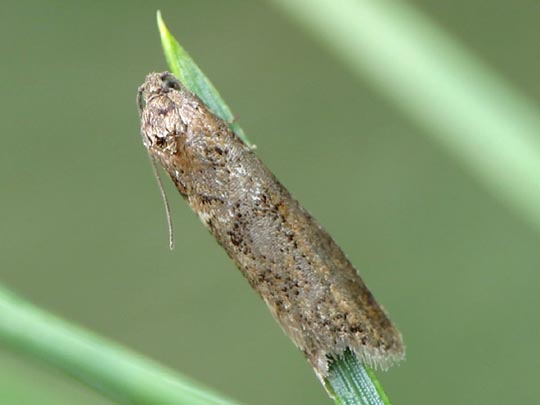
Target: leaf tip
163,31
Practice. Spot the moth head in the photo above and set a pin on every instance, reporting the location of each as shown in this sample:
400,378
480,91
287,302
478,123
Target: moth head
157,98
157,84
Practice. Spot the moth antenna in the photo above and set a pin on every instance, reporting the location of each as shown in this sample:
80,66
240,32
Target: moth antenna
165,201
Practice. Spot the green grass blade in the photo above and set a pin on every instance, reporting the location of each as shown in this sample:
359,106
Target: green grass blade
353,383
114,371
463,105
349,381
185,69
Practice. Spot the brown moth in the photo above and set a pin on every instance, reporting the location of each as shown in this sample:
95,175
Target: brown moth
306,280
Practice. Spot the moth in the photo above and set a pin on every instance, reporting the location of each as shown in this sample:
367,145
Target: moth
307,282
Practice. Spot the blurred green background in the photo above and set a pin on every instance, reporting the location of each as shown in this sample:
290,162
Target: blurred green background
83,230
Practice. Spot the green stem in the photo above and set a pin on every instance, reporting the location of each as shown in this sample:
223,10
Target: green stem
352,383
349,381
463,105
114,371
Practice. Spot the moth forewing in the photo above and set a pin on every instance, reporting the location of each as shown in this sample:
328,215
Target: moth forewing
309,285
